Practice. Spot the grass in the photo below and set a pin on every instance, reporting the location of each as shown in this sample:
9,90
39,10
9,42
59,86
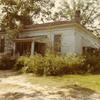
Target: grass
87,81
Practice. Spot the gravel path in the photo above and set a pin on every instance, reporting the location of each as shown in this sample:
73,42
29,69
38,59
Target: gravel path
17,87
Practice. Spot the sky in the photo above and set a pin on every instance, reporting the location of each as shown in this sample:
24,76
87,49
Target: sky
58,3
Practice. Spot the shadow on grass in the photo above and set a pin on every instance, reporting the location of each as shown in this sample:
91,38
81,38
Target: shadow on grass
76,91
7,73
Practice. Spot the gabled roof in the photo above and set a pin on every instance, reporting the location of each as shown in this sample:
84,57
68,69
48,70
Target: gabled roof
57,24
47,25
52,25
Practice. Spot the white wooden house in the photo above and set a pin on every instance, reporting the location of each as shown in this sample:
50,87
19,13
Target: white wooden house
63,36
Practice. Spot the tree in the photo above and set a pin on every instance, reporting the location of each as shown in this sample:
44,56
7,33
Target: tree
47,10
24,12
18,12
89,13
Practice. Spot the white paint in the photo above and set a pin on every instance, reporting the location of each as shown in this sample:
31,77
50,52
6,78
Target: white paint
85,39
67,38
68,42
32,48
73,38
14,48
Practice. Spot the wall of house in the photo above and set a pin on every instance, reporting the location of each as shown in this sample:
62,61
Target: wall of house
9,45
73,39
85,39
48,33
67,37
68,42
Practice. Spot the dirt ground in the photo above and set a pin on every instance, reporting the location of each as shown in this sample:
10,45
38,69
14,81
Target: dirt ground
17,87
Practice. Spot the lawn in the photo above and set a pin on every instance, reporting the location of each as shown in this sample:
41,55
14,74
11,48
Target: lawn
88,81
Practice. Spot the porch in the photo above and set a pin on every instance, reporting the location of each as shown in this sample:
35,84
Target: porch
30,46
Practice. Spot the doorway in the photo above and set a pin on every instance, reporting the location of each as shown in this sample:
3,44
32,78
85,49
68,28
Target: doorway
40,48
23,48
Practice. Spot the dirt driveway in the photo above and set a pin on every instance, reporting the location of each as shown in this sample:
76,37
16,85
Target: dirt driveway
17,87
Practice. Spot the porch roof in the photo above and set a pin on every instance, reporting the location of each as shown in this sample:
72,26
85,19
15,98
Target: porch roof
32,39
23,39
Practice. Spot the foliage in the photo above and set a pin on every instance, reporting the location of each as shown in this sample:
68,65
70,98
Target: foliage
90,12
21,62
92,64
47,11
51,64
7,62
16,14
15,11
22,12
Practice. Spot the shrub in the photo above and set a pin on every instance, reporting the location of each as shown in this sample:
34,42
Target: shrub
92,64
59,65
51,64
7,62
21,62
74,63
35,65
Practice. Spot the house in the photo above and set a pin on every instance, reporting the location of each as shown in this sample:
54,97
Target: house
65,37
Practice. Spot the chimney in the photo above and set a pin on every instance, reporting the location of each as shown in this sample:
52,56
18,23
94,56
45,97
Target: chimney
77,16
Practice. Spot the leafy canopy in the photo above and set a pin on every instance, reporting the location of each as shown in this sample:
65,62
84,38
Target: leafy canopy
90,12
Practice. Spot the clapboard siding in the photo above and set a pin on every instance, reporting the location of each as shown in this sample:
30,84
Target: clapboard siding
73,38
85,39
67,38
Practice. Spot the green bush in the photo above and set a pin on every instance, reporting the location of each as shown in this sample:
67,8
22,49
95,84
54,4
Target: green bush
59,65
33,64
21,62
7,62
75,64
51,64
92,64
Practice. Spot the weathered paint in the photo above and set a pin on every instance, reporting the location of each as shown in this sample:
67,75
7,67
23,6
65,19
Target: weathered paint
73,38
85,39
67,38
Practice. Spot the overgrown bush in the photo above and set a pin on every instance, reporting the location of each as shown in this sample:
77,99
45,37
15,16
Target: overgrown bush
92,64
7,62
21,62
51,64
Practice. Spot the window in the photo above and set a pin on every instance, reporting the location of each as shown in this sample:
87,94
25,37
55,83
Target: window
89,50
57,43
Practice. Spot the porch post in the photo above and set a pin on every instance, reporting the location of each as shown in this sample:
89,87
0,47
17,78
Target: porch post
32,48
14,48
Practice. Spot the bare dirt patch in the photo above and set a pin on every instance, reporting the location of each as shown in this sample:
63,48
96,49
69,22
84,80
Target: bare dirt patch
17,87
